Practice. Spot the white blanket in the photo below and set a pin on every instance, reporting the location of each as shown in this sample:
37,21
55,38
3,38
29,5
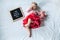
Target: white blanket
10,30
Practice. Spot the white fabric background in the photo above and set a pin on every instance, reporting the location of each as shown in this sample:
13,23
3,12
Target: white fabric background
10,30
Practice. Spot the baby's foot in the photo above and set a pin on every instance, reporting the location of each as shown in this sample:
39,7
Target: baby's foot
30,35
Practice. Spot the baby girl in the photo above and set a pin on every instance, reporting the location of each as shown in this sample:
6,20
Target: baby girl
34,19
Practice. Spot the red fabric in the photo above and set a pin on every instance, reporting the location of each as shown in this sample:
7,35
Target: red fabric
35,18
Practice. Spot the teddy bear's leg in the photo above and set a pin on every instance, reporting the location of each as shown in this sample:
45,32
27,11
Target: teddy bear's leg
28,27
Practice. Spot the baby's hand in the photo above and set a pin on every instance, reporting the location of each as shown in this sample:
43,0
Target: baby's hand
42,15
43,11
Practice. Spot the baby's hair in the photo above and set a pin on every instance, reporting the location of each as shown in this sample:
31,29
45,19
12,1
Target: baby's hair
31,8
34,3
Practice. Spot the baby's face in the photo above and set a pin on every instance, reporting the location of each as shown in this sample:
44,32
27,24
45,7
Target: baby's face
34,6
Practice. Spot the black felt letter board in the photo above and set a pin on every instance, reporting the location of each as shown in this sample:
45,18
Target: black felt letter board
16,13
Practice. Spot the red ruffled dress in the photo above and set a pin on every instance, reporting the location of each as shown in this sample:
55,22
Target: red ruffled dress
35,18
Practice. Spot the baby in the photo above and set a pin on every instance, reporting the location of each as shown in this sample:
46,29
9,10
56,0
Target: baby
34,19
